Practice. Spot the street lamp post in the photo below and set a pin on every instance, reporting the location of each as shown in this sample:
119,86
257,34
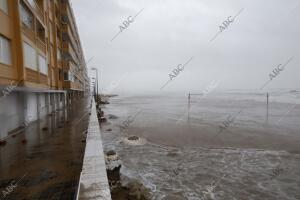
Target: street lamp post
96,85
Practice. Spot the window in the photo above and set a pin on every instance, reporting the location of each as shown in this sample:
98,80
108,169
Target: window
43,65
3,6
32,3
40,31
26,16
60,74
5,50
58,55
58,34
30,58
69,76
66,76
64,19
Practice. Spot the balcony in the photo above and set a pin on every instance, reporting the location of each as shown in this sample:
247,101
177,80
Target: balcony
32,76
67,84
68,52
41,45
43,79
37,8
71,41
67,65
58,43
40,13
65,45
28,32
72,85
68,17
41,36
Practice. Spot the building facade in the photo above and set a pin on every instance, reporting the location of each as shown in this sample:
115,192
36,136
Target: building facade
42,66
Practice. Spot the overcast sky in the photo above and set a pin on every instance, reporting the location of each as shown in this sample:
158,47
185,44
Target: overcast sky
169,32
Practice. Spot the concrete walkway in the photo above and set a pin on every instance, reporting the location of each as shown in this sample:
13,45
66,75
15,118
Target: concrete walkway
93,182
46,157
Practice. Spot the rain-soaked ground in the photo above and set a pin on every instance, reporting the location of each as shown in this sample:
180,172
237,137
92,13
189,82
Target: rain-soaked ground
176,160
44,161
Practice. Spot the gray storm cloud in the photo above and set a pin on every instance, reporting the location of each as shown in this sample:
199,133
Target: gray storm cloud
167,33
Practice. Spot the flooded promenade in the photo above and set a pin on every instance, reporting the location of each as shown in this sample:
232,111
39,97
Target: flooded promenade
44,160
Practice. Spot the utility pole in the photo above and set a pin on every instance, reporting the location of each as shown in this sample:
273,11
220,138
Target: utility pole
96,83
189,105
267,107
94,87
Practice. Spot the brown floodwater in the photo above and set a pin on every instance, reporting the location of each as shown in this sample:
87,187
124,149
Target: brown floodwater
189,160
44,161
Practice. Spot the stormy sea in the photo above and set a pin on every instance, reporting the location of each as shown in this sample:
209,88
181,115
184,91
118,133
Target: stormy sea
225,145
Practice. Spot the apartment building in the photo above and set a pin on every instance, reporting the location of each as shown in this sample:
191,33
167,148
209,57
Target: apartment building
42,66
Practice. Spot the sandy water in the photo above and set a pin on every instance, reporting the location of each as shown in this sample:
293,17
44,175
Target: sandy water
183,159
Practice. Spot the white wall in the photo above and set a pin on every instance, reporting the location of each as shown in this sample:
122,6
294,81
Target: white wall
18,107
30,106
11,113
43,106
52,102
57,101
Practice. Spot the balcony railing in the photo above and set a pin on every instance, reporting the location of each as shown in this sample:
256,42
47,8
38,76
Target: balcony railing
41,45
72,85
38,11
28,32
43,79
66,64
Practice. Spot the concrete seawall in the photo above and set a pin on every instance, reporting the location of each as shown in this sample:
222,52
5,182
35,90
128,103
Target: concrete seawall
93,183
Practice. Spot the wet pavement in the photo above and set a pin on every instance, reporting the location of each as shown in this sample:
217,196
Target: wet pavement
44,161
